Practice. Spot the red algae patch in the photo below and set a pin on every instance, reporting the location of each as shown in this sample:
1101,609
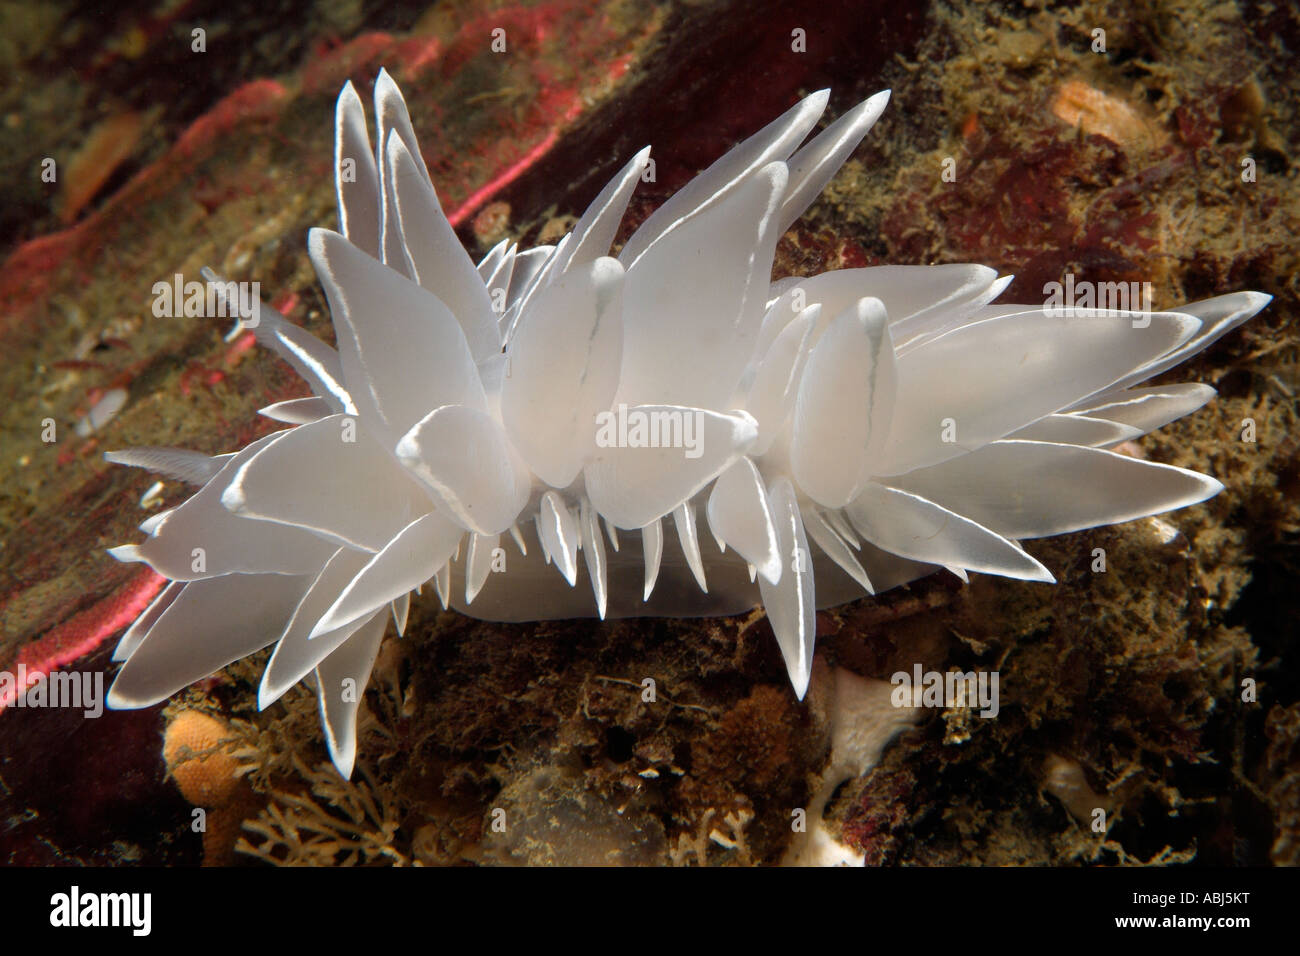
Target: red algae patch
109,145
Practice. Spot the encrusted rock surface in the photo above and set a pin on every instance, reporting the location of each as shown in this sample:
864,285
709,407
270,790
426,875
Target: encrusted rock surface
525,744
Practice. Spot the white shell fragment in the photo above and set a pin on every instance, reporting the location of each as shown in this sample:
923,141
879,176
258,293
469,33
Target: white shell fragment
102,412
886,422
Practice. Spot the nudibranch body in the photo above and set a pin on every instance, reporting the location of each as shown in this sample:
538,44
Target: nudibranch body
668,423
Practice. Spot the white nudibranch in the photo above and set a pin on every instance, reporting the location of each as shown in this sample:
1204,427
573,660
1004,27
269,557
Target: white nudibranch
836,435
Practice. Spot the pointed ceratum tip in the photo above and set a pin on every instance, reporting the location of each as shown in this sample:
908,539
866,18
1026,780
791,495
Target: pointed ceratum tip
471,591
394,149
799,681
265,697
325,625
1042,575
152,523
1257,300
343,759
126,553
874,105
